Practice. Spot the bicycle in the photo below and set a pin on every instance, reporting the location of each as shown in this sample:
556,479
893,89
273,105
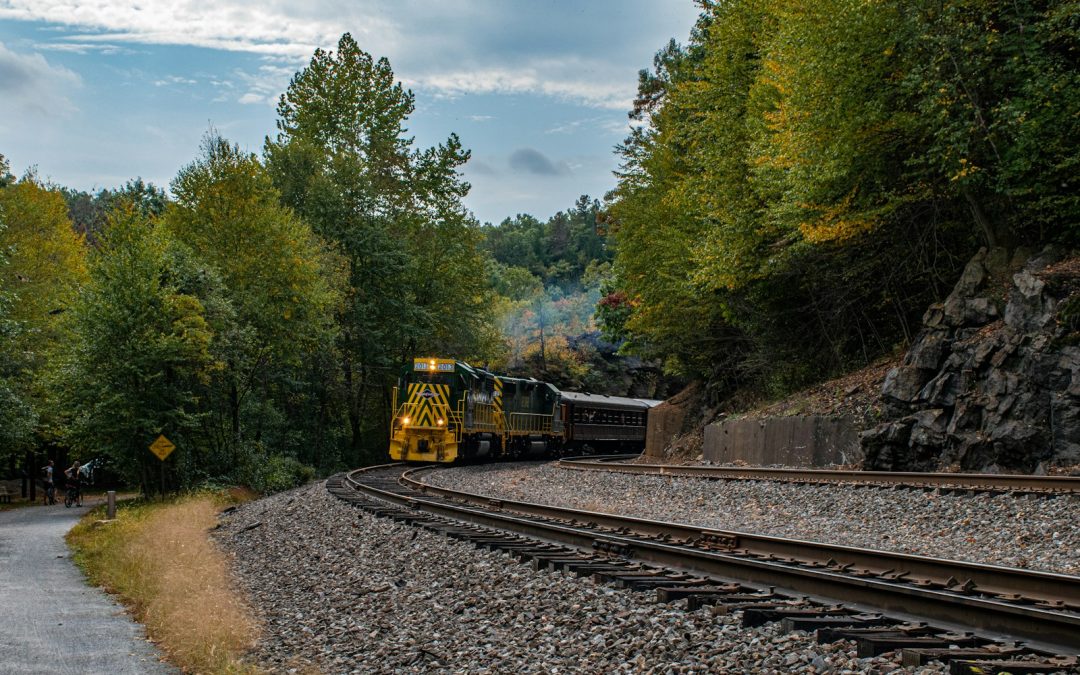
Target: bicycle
72,496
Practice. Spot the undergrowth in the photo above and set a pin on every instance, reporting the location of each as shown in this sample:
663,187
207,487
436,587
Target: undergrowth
158,559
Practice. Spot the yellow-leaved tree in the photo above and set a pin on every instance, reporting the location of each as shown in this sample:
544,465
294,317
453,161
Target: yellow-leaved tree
45,266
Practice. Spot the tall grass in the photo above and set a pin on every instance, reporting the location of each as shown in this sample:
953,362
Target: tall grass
159,560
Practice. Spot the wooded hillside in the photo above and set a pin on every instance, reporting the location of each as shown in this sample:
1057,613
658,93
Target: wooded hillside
808,176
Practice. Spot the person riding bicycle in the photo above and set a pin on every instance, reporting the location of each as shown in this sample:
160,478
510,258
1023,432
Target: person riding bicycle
74,494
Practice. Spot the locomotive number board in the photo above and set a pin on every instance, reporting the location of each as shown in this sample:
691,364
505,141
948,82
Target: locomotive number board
438,365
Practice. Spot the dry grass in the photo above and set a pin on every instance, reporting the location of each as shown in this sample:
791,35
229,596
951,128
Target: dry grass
159,560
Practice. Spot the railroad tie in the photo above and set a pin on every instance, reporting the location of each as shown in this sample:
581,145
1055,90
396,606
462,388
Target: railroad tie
917,657
1011,667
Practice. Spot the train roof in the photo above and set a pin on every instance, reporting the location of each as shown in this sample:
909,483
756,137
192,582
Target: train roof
611,401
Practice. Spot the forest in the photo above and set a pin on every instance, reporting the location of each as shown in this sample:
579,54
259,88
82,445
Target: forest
800,181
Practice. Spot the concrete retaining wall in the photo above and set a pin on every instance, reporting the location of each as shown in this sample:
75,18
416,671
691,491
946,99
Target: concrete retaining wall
665,422
810,441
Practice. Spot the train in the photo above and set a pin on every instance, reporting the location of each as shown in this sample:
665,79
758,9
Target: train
447,411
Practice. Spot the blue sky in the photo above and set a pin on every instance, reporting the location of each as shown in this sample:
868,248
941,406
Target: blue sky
94,92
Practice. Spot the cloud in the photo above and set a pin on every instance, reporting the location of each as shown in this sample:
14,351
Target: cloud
263,86
476,166
31,85
481,118
175,79
528,160
273,28
560,81
85,48
445,48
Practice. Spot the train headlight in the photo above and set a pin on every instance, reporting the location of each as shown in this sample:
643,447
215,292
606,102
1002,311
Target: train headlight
440,422
404,421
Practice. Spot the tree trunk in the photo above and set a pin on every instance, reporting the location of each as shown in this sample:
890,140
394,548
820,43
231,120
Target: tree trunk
234,411
351,403
993,238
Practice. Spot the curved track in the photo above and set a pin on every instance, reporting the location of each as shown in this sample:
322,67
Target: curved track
974,482
707,566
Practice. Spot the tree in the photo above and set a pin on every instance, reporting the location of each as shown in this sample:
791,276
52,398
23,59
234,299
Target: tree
89,211
46,259
5,172
278,279
776,158
17,417
140,350
997,87
342,161
40,278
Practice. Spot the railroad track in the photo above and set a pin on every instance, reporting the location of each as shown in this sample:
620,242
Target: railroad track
969,482
969,614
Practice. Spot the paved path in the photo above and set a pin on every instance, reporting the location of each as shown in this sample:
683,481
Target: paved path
51,621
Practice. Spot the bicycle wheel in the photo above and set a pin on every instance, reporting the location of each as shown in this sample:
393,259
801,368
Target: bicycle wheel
69,499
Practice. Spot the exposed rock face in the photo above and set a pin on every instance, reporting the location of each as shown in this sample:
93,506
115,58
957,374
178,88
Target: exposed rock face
993,379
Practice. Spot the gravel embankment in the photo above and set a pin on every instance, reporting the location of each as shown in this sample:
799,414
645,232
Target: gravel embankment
341,591
1031,532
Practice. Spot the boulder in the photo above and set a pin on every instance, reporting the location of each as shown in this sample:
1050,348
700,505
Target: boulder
904,383
1028,308
988,382
1065,429
940,391
928,350
967,416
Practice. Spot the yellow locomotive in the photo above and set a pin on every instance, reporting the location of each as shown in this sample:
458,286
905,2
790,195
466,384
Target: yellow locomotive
448,411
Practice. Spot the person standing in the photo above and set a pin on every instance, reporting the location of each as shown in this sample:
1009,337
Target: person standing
50,486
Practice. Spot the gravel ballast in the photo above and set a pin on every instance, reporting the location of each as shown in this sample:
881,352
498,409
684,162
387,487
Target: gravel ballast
341,591
1032,532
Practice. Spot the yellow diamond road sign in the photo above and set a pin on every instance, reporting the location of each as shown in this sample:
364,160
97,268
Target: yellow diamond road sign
162,447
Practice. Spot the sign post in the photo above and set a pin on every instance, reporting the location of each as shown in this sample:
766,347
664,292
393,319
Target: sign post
162,448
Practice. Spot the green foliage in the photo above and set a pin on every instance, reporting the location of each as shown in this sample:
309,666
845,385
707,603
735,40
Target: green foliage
997,89
89,212
17,417
343,162
275,473
557,251
42,266
828,166
280,287
5,172
46,261
141,347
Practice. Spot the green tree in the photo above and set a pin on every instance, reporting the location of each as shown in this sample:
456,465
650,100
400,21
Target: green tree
997,88
140,350
342,161
774,161
44,269
5,172
278,278
17,417
89,211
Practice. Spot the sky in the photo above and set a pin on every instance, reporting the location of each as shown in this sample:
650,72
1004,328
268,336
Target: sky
96,92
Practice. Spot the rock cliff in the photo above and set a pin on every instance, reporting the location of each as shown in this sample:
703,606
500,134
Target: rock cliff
993,378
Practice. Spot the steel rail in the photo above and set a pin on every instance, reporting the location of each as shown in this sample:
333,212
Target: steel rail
966,481
1040,606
